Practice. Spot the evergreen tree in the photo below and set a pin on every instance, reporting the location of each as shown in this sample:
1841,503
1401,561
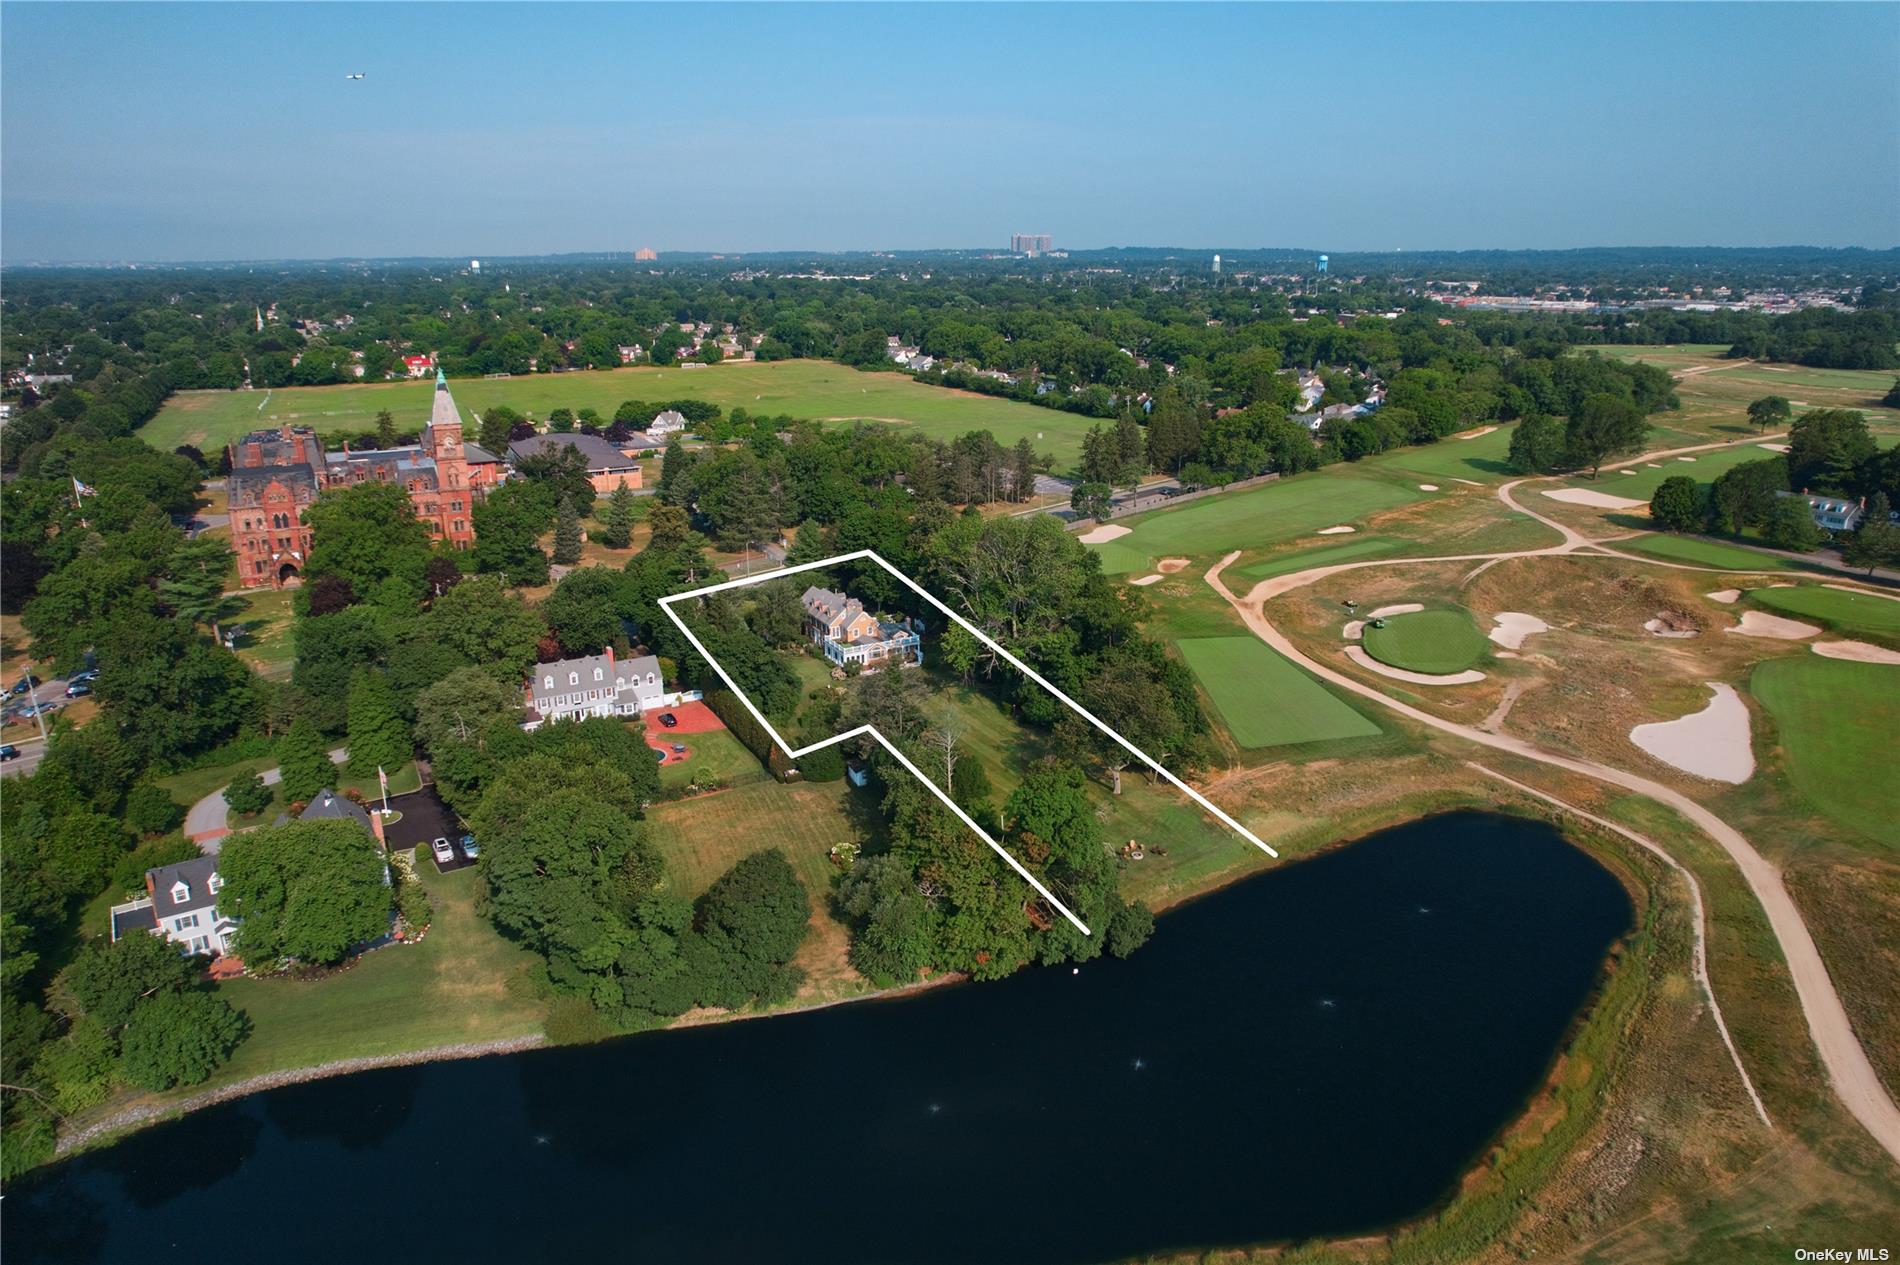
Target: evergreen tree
385,430
617,522
809,545
378,737
675,468
1022,471
1101,457
670,527
1877,543
567,534
1130,449
305,763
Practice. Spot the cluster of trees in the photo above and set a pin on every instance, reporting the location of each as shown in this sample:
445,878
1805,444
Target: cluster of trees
1830,451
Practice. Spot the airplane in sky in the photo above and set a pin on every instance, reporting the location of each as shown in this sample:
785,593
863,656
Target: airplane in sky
356,75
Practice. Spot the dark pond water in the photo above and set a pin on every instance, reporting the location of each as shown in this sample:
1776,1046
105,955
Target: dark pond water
1319,1050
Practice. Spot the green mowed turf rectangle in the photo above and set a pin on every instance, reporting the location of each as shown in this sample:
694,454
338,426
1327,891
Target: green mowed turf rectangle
1325,556
1860,612
1642,484
1836,720
816,389
1481,459
1265,700
1258,516
1704,553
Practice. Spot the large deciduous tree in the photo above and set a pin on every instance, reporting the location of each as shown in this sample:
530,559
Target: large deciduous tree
179,1039
1604,426
308,890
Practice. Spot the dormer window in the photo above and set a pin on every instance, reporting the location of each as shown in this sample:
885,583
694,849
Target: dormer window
597,674
215,883
181,892
573,678
547,682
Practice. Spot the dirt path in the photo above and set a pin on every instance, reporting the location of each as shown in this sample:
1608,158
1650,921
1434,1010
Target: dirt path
1846,1062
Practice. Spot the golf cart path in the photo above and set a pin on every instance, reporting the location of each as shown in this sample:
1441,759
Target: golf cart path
1846,1062
209,820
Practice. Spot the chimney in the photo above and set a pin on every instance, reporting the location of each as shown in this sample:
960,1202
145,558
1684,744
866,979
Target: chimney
285,431
609,652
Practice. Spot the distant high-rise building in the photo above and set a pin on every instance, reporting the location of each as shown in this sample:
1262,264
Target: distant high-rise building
1217,265
646,254
1031,243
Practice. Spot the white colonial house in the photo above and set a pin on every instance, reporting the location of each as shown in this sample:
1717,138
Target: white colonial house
597,685
181,904
671,422
847,633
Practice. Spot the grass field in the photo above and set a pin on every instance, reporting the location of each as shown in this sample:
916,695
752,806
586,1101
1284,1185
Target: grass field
1356,550
462,982
717,758
1704,553
1258,516
816,389
1481,459
1716,393
1837,608
1649,475
1265,700
1440,641
1833,717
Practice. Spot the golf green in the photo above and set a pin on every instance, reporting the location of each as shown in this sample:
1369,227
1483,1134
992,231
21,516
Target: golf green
1835,720
1439,641
1838,608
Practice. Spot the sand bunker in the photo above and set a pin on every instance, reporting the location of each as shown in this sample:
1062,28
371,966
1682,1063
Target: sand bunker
1336,531
1358,655
1403,608
1145,580
1353,629
1428,487
1669,624
1513,627
1685,458
1168,566
1103,534
1858,651
1584,496
1724,595
1473,434
1653,465
1711,743
1757,624
1773,447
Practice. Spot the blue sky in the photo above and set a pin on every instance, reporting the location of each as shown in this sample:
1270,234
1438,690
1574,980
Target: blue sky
166,131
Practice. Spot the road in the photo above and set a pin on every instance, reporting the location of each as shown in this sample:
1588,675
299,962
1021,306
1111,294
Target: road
1847,1065
33,749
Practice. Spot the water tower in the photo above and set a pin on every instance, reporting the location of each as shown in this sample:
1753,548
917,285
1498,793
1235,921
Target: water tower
1322,265
1217,265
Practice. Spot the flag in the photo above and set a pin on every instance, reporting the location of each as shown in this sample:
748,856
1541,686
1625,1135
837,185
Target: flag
81,489
383,778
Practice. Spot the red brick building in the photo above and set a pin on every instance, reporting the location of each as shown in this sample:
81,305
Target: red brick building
276,474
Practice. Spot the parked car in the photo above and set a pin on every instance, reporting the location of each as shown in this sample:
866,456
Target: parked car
679,748
78,689
89,675
669,719
469,849
24,684
444,854
9,752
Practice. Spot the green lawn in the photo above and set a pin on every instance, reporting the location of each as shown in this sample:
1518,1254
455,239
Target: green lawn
461,982
1642,485
1704,553
1260,516
267,643
717,757
1836,720
1481,459
703,838
1265,700
1439,641
1356,550
1852,612
802,388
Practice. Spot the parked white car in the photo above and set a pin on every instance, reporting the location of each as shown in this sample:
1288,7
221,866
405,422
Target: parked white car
444,854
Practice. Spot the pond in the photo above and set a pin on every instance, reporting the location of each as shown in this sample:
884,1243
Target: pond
1322,1049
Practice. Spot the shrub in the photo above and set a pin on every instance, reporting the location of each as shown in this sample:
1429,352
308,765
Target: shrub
178,1039
248,795
150,811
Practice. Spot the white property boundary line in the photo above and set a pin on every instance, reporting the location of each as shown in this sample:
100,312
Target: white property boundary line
666,604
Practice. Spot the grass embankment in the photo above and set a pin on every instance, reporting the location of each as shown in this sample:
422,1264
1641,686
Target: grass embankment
1264,699
817,389
1837,608
1639,479
1705,553
1835,720
1440,641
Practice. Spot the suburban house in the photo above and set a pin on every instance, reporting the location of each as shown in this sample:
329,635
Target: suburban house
608,467
181,904
276,474
671,422
1833,513
328,805
596,685
418,366
630,354
848,633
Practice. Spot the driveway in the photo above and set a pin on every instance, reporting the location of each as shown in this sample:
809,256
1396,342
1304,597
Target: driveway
209,820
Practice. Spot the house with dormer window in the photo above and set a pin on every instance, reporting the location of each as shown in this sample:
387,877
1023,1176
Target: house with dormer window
181,904
596,685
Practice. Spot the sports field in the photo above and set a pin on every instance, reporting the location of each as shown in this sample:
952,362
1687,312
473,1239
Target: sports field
1356,550
1703,467
1837,608
1704,553
817,389
1258,516
1264,699
1833,717
1440,641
